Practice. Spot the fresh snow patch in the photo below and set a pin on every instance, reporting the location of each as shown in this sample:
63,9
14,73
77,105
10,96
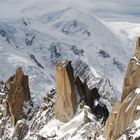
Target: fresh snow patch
60,130
51,128
138,107
137,122
2,93
137,91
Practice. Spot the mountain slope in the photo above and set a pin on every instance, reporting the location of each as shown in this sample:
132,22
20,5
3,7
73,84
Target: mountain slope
36,44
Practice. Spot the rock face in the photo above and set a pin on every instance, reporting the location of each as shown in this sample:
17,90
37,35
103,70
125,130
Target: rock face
17,95
132,132
71,90
92,99
79,86
105,89
124,112
90,95
132,79
122,116
66,102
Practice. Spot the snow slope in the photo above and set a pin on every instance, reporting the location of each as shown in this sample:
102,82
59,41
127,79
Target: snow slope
38,43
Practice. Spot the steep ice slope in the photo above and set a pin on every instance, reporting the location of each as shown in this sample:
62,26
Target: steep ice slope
38,43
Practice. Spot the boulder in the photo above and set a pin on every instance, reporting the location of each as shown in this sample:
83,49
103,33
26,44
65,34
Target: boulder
66,102
17,95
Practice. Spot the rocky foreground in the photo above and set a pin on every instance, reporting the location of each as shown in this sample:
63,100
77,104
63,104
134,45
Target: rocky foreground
76,109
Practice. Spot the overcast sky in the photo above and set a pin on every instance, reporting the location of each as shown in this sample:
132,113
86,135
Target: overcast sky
113,9
125,10
118,9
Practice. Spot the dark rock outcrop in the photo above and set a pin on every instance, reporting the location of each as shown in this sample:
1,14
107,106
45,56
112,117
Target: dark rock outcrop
90,95
29,39
75,27
104,54
79,86
36,61
98,108
20,131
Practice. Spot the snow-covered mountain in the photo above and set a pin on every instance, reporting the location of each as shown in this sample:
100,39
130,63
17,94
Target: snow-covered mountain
35,35
36,44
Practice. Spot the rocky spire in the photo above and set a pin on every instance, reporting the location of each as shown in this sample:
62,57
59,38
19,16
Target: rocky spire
132,80
17,95
124,111
66,102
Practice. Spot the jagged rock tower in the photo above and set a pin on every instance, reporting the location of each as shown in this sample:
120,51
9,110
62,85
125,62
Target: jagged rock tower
124,112
65,107
17,95
132,77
